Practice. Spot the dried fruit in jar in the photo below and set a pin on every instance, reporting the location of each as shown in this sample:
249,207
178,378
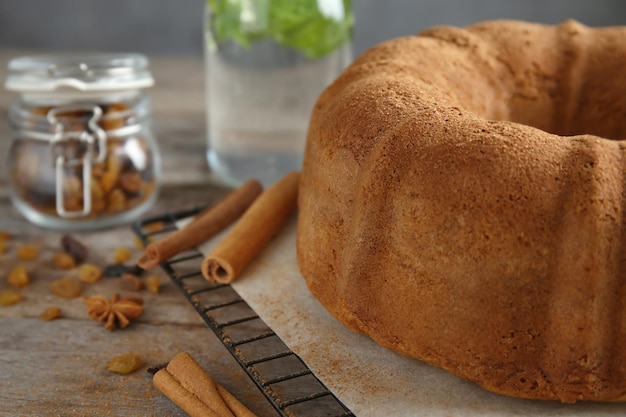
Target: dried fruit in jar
28,252
124,364
130,182
9,297
18,277
66,287
63,260
89,273
50,313
124,180
116,201
108,181
114,116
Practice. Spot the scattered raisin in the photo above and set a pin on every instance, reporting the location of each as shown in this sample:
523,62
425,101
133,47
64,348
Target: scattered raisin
138,243
156,226
89,273
18,277
124,364
63,260
153,284
75,248
116,270
66,287
121,255
27,252
9,297
50,313
131,282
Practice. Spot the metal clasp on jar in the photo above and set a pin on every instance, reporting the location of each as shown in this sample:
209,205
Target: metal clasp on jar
92,135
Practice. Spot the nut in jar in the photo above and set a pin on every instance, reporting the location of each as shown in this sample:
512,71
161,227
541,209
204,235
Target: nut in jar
83,154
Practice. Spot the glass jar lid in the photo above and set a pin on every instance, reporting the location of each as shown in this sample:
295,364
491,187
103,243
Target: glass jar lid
99,72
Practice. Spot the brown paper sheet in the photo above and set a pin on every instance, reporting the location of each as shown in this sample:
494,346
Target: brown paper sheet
368,379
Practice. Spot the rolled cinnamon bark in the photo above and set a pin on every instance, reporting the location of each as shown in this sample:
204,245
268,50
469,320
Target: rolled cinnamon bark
253,230
185,382
188,402
207,223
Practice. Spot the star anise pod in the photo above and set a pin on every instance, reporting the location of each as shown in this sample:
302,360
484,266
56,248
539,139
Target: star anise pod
116,312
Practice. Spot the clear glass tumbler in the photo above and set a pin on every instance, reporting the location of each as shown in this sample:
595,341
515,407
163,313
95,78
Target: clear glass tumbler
267,61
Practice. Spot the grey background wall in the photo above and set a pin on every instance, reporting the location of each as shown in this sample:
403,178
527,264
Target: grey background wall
175,27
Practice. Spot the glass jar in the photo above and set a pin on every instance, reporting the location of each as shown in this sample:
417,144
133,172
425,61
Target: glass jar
83,155
267,61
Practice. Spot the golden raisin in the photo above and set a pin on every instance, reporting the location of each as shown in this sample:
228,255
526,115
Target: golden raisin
4,235
89,273
98,203
153,284
63,260
114,116
138,243
40,111
131,282
50,313
18,277
124,364
27,252
9,297
72,187
97,170
154,226
121,254
3,246
66,287
130,182
116,201
114,163
108,181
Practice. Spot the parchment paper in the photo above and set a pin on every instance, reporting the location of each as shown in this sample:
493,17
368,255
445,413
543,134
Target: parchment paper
370,380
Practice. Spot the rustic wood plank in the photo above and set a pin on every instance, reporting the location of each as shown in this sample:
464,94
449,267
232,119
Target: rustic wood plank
59,368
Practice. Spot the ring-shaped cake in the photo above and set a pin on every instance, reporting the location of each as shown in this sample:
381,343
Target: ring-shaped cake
462,202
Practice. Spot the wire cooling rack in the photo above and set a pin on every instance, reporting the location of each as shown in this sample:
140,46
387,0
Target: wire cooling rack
281,375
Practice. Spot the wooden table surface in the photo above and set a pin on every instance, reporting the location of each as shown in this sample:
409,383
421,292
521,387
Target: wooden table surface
58,368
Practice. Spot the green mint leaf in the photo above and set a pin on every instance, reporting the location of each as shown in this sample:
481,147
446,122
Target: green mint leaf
314,27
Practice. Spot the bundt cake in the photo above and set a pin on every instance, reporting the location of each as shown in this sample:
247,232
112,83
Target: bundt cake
462,202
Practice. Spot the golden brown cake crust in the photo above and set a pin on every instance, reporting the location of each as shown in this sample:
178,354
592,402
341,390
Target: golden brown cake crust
462,202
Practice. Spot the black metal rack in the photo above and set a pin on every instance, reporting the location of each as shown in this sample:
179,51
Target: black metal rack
281,375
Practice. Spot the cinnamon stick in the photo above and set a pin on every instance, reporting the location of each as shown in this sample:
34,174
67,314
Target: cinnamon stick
205,225
185,382
253,230
188,402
